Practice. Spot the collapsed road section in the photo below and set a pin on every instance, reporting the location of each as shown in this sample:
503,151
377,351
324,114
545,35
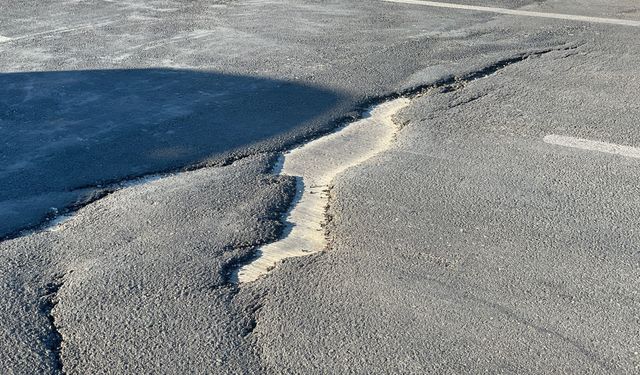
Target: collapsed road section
314,166
317,163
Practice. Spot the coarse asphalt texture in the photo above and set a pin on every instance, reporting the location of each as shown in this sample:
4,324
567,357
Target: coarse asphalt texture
470,246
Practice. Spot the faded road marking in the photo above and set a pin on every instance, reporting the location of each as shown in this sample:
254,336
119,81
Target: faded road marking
586,144
514,12
61,30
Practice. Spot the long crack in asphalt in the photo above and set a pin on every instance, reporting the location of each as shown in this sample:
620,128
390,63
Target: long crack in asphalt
53,339
317,163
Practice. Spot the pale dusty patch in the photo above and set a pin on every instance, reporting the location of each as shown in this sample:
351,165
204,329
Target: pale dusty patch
57,223
4,39
315,165
586,144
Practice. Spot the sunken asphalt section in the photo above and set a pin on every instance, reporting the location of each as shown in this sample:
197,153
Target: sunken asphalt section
470,246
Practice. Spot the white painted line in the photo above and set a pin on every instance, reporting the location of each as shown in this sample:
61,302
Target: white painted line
4,39
514,12
586,144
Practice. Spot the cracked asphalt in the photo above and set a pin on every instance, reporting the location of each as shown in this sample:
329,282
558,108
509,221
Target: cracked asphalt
471,246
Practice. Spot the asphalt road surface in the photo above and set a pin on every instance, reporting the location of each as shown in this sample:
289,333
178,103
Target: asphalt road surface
497,234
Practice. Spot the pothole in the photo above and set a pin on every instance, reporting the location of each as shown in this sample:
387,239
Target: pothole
315,165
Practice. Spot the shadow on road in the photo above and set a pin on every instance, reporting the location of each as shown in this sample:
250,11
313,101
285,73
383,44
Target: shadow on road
63,130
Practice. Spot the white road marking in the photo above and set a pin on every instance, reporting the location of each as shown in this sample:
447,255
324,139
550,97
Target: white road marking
586,144
4,39
514,12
